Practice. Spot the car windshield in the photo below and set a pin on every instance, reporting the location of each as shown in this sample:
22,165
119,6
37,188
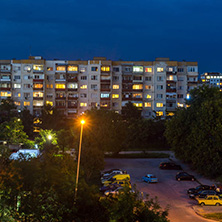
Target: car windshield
152,176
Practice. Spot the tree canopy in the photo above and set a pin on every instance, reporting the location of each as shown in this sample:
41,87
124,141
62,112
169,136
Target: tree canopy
195,132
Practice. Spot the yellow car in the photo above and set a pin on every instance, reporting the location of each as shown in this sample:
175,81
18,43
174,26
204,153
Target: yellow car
210,200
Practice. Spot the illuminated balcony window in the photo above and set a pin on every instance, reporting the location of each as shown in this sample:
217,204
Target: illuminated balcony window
49,103
17,86
137,68
17,103
148,96
159,69
6,94
180,104
61,68
159,105
83,87
37,94
37,103
49,86
159,113
17,94
148,69
27,68
115,86
138,104
137,95
26,103
104,95
82,70
83,104
72,86
38,67
115,96
60,86
94,69
148,86
138,86
147,104
72,68
49,68
38,85
105,68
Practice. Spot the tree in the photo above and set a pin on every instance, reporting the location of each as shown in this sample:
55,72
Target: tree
27,121
131,112
12,131
7,110
195,133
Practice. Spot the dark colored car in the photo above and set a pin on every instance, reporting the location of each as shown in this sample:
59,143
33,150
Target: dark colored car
203,193
184,176
169,166
199,188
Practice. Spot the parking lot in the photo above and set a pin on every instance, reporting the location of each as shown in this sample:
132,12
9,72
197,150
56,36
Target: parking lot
168,190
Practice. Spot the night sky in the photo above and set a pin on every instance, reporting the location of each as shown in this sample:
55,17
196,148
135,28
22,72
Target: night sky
188,30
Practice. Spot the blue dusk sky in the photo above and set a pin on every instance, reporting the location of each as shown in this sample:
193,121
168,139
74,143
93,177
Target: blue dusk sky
188,30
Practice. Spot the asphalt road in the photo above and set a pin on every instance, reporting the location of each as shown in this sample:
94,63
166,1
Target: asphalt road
168,190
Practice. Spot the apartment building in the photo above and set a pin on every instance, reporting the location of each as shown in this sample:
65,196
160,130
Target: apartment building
212,79
156,87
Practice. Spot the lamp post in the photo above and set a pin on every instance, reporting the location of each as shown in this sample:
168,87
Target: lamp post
78,164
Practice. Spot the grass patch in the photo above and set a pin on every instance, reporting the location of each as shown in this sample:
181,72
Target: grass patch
138,155
214,216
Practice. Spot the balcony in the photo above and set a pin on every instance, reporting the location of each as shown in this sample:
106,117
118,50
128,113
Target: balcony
37,98
73,106
62,98
137,99
171,89
107,81
126,99
35,88
171,73
38,80
137,90
170,109
171,100
60,80
60,89
72,89
5,89
6,79
127,81
72,79
72,98
171,81
105,98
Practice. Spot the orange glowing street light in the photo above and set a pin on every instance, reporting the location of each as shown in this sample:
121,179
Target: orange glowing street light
78,164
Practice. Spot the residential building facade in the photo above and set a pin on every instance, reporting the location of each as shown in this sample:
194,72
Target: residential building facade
212,79
156,87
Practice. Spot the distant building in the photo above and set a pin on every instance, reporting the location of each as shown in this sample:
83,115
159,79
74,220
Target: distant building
157,87
212,79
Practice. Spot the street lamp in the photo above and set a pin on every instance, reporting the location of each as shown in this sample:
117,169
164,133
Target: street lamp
78,164
49,137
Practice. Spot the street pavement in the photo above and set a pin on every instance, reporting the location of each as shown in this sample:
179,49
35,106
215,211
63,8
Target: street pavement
169,191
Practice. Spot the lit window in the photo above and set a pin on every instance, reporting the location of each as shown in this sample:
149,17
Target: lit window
179,104
60,86
147,104
148,70
49,68
115,96
104,95
37,94
148,86
159,105
17,86
170,69
72,68
49,86
37,103
49,103
137,68
17,94
115,86
83,87
159,69
105,68
17,103
159,113
6,94
61,68
83,104
26,103
72,85
188,96
148,96
27,68
170,114
138,86
138,104
38,85
38,67
82,70
137,95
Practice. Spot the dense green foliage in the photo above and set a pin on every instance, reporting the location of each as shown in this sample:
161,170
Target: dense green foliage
195,133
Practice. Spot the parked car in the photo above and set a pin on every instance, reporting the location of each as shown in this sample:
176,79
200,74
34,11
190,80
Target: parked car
113,191
107,172
184,176
210,200
199,188
112,174
203,193
115,178
110,187
169,166
150,178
